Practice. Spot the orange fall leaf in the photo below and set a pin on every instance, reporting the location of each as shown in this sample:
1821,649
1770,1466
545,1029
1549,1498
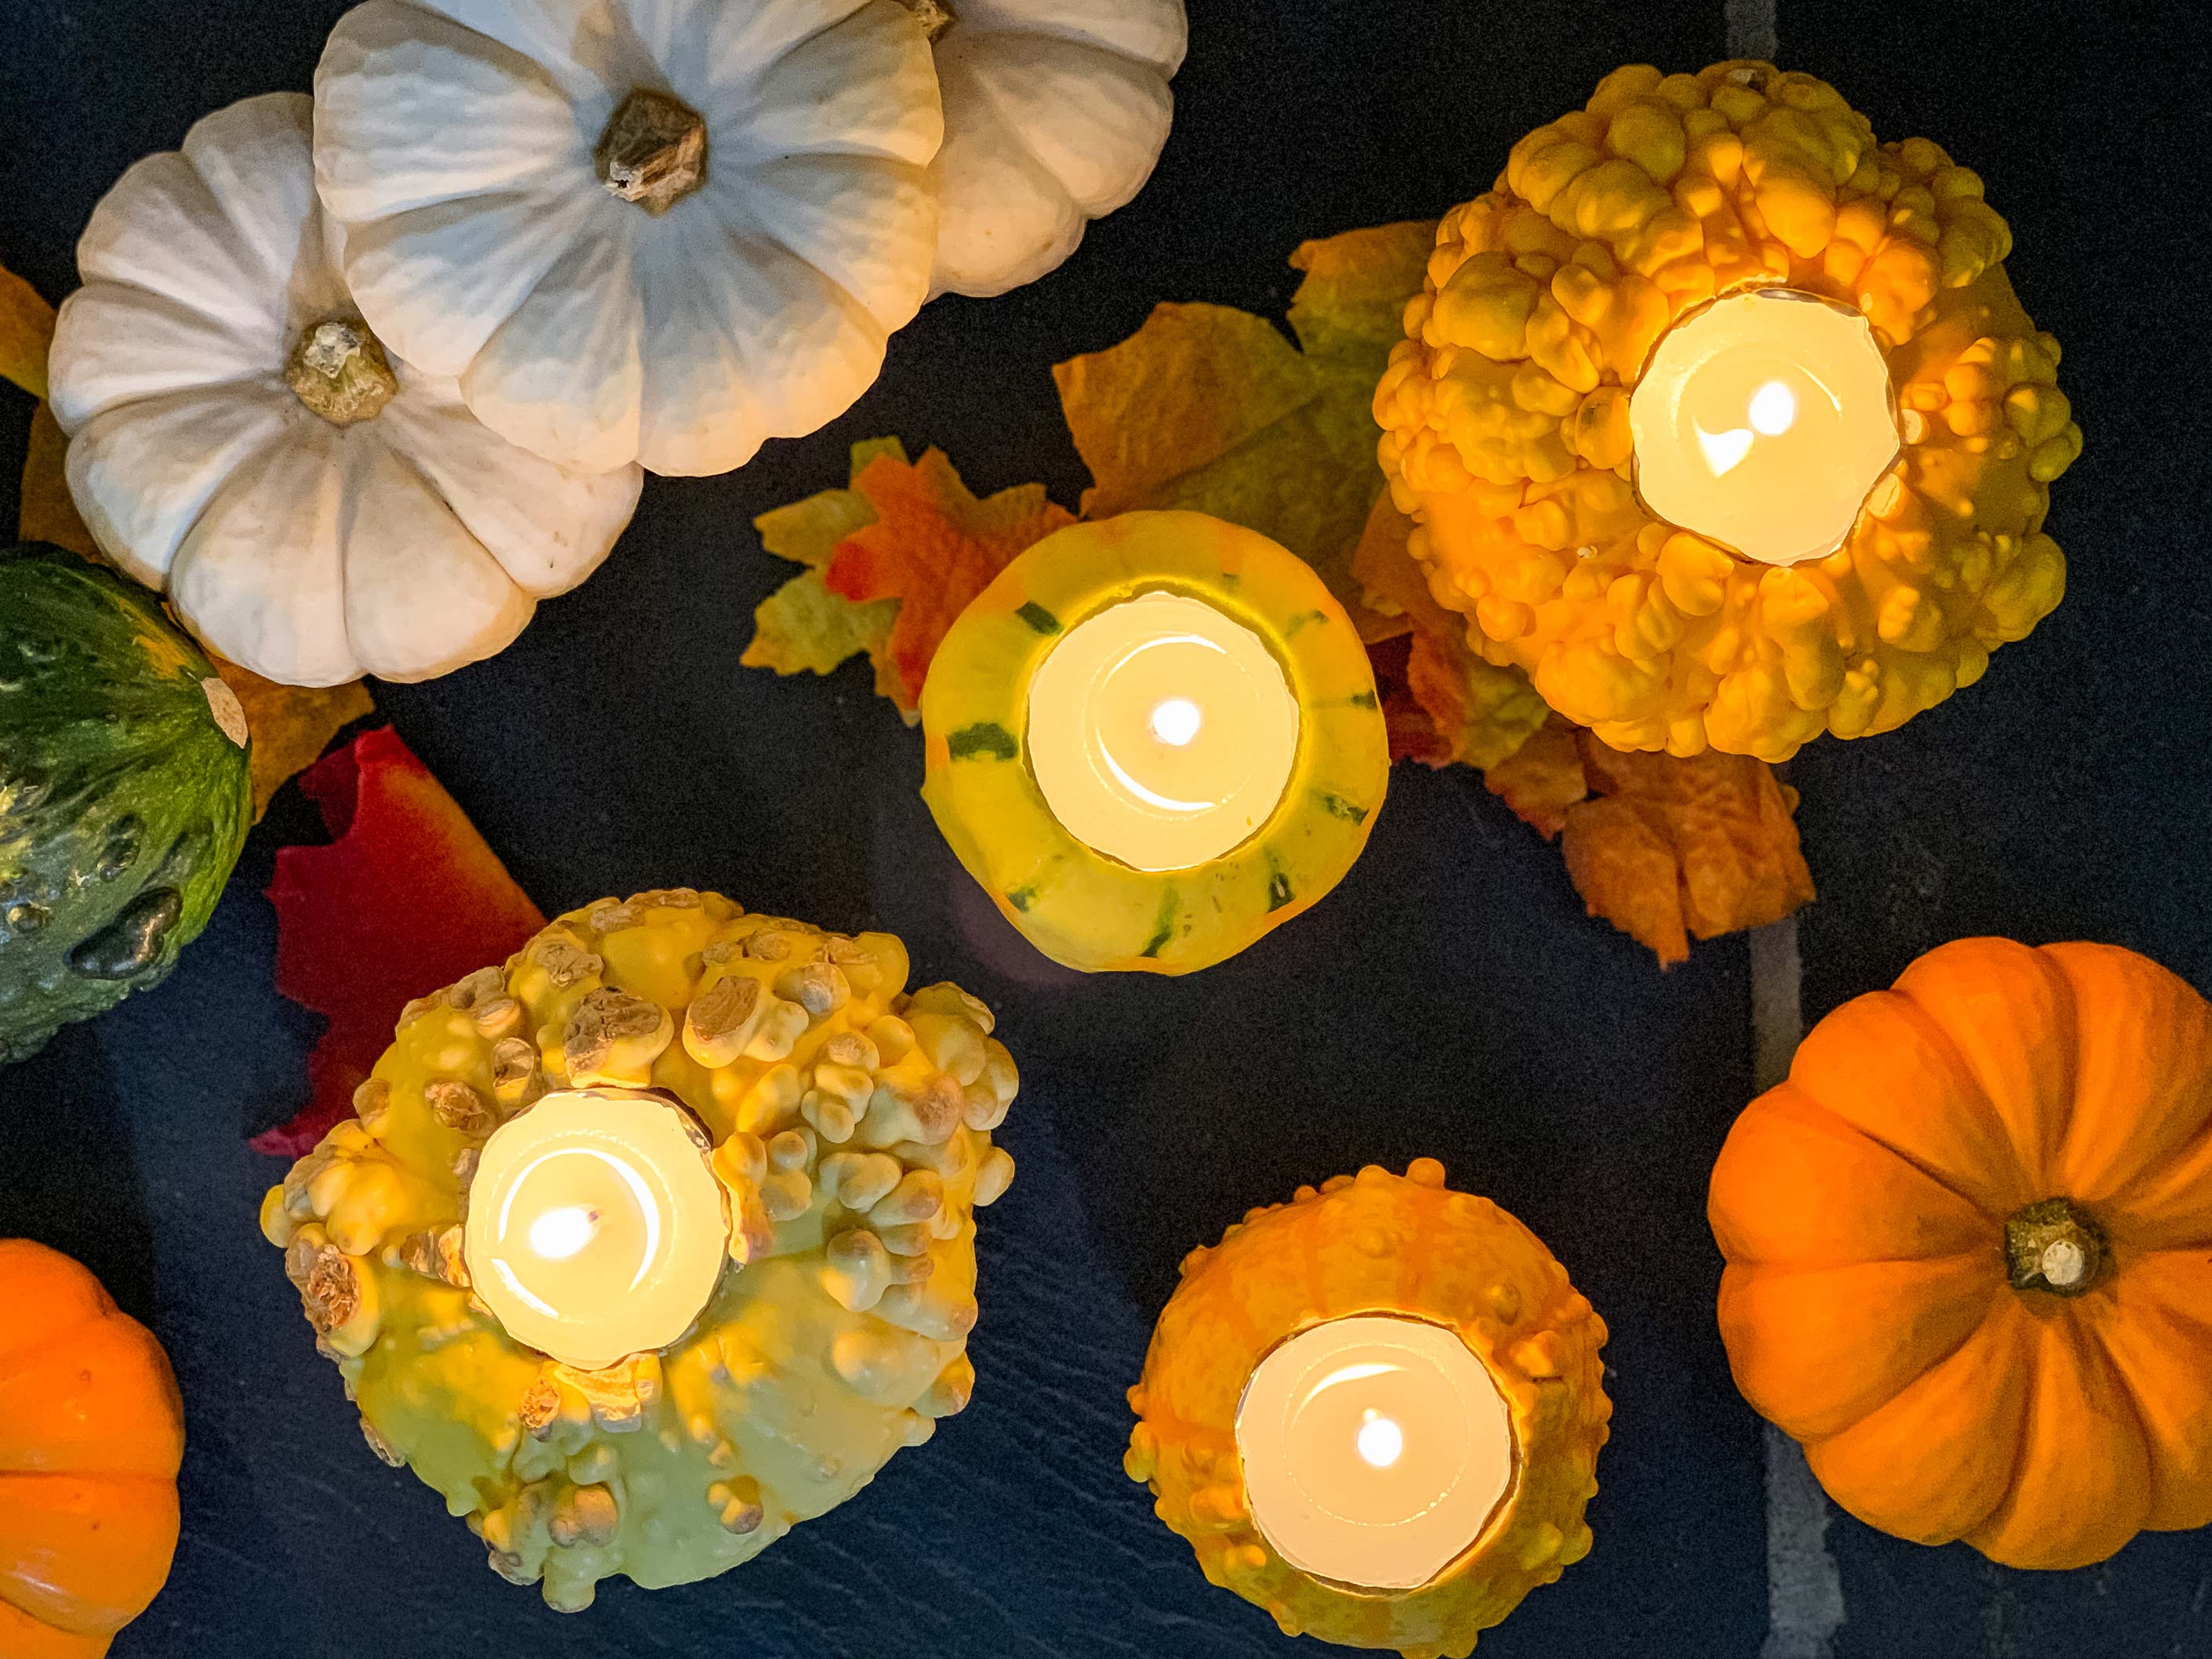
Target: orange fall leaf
933,547
1670,848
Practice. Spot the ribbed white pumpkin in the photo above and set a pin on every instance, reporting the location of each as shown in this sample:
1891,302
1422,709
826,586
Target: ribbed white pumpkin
1054,112
404,544
460,143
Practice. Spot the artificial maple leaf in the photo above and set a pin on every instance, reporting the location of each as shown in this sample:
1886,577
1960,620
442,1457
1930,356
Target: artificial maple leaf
290,725
1672,848
1542,779
1451,707
48,513
407,898
26,329
932,547
802,627
1213,409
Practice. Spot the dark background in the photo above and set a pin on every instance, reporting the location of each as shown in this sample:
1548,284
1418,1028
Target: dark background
1451,999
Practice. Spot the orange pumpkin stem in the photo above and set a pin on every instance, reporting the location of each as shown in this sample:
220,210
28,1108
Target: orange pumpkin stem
2054,1246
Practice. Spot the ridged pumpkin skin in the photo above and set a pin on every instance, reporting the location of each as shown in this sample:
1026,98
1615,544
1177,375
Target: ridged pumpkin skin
1504,418
125,796
852,1137
1390,1244
1077,905
1876,1303
91,1434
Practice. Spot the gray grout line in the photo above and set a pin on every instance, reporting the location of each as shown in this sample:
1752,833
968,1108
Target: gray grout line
1750,28
1804,1591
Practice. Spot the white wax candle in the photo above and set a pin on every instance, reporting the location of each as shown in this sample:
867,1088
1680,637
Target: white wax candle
1763,423
1162,732
596,1227
1376,1450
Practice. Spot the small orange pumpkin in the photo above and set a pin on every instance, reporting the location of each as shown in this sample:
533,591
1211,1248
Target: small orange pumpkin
91,1433
1970,1252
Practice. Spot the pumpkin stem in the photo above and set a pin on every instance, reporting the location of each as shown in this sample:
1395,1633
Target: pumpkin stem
934,17
654,152
2054,1246
339,370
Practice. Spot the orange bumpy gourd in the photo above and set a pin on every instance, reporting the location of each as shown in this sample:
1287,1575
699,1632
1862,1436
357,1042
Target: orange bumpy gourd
91,1433
1378,1243
1504,417
1970,1252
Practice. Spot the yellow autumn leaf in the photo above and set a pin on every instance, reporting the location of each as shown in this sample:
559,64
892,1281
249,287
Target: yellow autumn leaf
291,724
802,627
48,514
1213,410
26,328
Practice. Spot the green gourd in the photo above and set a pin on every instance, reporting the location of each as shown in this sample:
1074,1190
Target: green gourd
125,793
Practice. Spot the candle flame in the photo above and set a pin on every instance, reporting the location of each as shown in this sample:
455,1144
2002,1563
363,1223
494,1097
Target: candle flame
1176,722
1773,409
1380,1439
559,1234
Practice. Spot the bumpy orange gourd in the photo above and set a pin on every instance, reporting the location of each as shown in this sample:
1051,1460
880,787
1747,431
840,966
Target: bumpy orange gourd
1970,1252
91,1433
1506,424
1389,1244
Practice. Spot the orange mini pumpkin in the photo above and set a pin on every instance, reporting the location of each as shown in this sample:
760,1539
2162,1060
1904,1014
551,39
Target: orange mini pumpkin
1970,1252
91,1433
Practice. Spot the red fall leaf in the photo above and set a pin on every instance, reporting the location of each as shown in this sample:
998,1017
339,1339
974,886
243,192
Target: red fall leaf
406,898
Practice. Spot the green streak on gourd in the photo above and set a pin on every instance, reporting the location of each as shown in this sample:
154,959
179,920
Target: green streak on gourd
986,738
1163,925
1337,807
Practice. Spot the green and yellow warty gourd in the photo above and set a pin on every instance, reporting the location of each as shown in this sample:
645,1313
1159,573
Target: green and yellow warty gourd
852,1127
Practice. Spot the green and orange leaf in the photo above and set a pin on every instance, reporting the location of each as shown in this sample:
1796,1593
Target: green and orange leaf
1214,409
932,548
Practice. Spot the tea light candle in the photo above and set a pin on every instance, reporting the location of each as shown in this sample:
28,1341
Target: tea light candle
1375,1449
1153,738
1763,423
596,1228
1160,732
1375,1412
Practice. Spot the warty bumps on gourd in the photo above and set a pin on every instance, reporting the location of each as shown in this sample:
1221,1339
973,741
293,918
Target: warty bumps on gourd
851,1123
1505,430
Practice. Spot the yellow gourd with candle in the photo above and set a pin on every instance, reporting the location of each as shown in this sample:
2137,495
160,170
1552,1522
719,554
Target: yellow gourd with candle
1375,1412
741,1308
1695,513
1153,738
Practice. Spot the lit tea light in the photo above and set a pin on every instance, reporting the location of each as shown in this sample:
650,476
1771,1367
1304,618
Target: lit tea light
596,1228
1375,1412
1375,1448
1153,738
1763,423
1160,732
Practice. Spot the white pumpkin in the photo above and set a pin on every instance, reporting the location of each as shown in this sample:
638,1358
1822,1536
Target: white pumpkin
1054,112
316,508
654,230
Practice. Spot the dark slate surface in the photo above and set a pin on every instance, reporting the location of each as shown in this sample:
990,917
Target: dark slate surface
1450,999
